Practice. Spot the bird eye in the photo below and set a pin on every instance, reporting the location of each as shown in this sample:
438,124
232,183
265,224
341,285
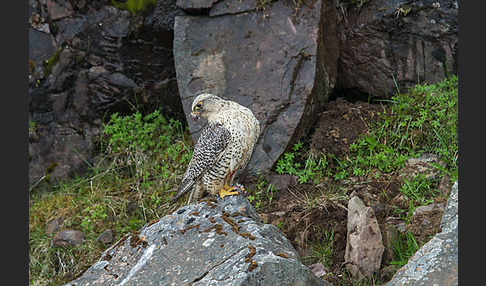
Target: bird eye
199,105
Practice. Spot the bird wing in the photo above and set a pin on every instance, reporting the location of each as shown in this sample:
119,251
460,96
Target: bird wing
210,146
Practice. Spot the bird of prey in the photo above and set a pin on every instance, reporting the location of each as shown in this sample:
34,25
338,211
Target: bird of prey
225,145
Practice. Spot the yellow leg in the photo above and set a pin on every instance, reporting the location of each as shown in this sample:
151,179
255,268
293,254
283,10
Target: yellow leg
227,191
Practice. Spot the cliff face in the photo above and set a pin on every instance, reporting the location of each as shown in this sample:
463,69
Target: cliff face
88,61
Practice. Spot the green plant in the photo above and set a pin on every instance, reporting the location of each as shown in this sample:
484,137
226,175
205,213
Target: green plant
49,63
312,170
321,251
94,214
263,4
263,193
32,127
403,246
419,189
425,120
146,143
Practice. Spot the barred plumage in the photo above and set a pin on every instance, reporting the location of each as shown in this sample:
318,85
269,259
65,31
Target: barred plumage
224,146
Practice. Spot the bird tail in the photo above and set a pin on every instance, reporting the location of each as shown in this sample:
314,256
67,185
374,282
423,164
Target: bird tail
185,186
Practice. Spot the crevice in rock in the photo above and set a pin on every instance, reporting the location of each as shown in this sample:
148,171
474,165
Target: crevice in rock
353,95
200,277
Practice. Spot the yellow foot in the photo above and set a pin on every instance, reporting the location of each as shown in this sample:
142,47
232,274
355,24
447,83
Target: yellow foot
227,191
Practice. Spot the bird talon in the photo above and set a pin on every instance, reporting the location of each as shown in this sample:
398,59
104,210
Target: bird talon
240,189
227,191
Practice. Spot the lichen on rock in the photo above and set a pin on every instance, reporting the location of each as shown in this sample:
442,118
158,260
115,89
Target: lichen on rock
203,245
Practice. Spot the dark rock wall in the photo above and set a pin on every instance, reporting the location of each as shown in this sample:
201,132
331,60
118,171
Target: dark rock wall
100,60
388,46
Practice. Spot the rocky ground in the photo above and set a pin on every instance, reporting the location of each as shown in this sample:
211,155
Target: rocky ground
304,213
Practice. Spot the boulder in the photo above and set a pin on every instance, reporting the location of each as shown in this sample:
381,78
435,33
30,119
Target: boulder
390,45
213,242
100,60
364,246
277,58
436,262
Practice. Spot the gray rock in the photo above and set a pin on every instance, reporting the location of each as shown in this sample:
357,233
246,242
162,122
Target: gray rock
428,208
422,166
58,9
106,236
41,46
195,5
214,242
68,237
318,269
436,262
234,7
364,245
389,44
280,62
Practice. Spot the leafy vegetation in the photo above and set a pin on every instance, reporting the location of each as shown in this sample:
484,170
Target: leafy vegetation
263,194
143,159
425,120
404,246
419,189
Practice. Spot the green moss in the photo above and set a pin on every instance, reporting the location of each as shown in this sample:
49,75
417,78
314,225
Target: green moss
49,63
32,127
50,169
134,6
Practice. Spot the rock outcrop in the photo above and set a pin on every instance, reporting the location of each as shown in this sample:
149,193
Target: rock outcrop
436,262
390,44
213,242
88,61
276,58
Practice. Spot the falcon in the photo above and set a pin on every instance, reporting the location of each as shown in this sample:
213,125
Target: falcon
225,145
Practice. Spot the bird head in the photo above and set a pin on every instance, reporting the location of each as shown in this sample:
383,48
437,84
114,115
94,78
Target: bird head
206,104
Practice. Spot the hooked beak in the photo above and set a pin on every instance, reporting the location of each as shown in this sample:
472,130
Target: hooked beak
195,115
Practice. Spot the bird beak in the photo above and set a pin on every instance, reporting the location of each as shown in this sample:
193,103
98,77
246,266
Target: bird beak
195,115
